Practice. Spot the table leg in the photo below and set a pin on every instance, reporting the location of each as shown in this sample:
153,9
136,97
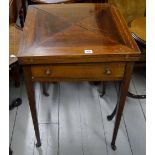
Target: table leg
123,93
31,98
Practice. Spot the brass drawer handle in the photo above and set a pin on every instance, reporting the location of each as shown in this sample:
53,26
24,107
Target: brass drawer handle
107,71
48,72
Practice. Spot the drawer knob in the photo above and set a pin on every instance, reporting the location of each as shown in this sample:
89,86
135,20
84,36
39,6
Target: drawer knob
48,72
107,71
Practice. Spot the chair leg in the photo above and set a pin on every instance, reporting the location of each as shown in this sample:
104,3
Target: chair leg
21,17
102,92
110,117
136,96
44,87
10,151
17,102
15,75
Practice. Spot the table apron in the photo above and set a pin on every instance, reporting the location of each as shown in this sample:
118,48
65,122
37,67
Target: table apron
78,72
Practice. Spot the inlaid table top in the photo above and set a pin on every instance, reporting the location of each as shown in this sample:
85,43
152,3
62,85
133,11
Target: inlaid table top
63,33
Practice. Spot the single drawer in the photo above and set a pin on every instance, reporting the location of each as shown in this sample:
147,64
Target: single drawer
91,71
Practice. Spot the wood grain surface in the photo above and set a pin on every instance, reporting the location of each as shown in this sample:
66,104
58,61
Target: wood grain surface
89,72
61,34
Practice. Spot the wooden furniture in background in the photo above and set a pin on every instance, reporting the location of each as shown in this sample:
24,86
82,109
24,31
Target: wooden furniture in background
12,11
14,37
16,8
14,40
17,12
138,30
130,9
51,1
77,42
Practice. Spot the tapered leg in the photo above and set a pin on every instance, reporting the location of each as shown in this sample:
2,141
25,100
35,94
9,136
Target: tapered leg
45,89
123,93
102,92
31,97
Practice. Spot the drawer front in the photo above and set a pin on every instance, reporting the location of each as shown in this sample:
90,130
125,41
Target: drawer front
99,71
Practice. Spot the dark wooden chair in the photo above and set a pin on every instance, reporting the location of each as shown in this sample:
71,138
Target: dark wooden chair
14,39
15,11
15,30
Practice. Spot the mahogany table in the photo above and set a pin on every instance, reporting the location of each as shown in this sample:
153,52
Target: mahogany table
77,42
